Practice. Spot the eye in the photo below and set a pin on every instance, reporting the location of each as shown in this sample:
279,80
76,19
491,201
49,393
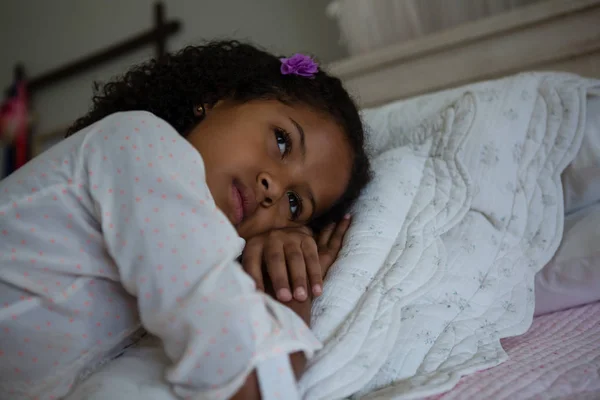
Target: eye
295,205
284,142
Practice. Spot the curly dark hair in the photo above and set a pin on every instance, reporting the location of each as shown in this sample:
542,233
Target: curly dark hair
172,85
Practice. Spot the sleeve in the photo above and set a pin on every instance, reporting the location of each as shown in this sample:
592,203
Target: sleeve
176,251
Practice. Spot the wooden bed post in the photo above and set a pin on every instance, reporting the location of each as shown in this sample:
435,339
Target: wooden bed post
159,23
157,36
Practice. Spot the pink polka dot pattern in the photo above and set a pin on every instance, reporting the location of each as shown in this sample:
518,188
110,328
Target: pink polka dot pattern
120,231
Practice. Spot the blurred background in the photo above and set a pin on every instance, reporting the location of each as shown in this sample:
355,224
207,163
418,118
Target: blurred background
58,48
43,35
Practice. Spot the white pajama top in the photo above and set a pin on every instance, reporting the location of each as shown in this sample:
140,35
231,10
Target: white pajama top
112,230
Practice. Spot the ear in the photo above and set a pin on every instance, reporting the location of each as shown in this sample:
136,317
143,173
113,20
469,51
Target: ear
200,111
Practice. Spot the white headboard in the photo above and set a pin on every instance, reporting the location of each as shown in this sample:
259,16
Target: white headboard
559,35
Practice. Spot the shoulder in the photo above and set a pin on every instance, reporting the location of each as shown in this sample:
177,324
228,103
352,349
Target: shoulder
131,129
140,135
132,122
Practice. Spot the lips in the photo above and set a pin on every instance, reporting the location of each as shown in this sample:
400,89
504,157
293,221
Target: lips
244,203
238,205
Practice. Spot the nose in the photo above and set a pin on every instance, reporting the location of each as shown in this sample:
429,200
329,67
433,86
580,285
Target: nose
270,189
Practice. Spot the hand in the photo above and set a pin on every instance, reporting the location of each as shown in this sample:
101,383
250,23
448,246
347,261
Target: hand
293,251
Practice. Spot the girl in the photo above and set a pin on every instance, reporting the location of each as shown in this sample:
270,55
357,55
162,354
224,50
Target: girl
137,219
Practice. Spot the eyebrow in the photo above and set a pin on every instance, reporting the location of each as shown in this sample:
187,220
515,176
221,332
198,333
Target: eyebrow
302,140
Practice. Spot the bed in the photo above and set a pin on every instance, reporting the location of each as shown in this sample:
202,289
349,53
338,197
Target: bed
467,208
559,356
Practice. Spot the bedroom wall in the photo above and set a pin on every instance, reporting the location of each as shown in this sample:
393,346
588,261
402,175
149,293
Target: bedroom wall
46,34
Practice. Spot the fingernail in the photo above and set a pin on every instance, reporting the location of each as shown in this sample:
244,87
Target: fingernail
317,290
284,294
347,216
300,293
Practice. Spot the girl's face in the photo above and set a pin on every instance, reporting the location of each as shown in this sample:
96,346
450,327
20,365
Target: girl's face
271,165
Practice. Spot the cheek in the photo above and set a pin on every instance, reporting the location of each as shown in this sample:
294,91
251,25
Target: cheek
331,183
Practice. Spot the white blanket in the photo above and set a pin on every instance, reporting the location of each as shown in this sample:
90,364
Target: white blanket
438,265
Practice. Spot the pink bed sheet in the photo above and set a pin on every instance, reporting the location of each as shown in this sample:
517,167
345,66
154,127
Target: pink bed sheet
558,358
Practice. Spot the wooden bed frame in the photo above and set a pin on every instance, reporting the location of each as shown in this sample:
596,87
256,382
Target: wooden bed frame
559,35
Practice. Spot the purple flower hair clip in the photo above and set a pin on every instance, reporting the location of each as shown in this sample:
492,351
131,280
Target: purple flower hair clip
299,64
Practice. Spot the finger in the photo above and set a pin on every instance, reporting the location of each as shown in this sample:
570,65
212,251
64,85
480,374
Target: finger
325,235
252,262
296,270
275,259
337,238
313,266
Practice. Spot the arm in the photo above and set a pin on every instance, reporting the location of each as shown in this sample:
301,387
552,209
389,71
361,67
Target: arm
302,309
250,390
329,243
